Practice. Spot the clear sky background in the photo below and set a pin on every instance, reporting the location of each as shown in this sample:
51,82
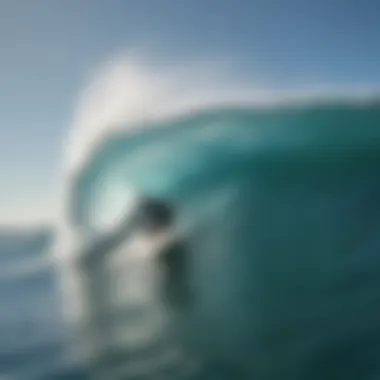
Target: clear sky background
48,47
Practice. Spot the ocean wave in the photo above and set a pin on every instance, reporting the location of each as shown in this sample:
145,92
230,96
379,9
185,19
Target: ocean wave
267,190
133,92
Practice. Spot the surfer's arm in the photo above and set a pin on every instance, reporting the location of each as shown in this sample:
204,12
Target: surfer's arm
149,215
110,240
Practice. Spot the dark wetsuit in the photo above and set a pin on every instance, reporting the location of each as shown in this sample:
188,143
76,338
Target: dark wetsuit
176,274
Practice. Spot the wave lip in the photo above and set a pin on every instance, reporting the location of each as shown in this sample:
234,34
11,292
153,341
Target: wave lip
130,92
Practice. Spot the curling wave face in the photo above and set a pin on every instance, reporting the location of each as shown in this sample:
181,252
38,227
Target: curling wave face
239,242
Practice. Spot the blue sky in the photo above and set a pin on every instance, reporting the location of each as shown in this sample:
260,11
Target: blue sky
49,47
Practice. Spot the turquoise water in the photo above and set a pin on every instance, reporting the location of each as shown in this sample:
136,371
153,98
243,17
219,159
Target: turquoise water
192,154
277,218
278,210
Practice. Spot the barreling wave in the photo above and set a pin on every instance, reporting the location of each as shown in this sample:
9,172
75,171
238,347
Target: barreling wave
250,174
129,95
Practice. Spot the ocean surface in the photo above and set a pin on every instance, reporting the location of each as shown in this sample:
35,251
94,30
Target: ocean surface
269,269
33,334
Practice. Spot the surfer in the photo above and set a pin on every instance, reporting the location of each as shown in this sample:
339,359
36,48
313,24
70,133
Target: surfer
158,219
154,220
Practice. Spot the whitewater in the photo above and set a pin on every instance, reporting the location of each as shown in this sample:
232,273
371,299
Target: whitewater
268,265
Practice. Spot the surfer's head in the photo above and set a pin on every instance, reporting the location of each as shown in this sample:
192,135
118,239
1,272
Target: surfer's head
155,214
